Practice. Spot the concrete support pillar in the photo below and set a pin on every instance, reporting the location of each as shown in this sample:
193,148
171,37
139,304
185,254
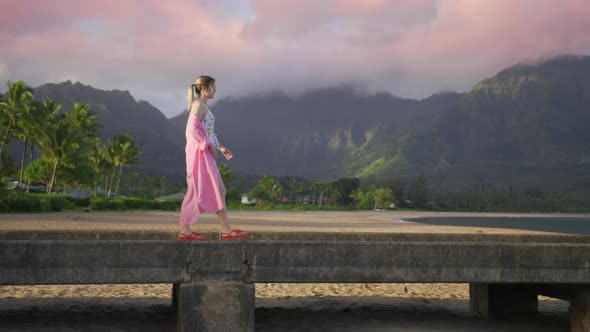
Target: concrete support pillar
207,306
502,299
175,288
580,311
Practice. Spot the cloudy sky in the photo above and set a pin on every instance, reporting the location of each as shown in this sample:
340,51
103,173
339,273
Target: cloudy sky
156,49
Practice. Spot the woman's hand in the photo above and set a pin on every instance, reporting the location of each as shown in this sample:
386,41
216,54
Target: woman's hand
226,153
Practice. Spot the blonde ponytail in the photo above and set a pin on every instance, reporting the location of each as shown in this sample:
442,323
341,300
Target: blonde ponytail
190,97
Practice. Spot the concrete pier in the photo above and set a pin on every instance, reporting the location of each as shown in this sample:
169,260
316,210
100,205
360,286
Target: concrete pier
211,305
215,280
506,268
580,311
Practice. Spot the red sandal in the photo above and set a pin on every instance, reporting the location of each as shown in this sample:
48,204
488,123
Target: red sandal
234,235
194,236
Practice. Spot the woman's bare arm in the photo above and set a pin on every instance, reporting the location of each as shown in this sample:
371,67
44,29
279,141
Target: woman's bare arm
200,110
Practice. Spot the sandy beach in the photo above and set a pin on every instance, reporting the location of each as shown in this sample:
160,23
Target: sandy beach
279,307
260,221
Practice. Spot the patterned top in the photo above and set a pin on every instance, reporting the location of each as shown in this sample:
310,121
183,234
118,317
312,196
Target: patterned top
209,124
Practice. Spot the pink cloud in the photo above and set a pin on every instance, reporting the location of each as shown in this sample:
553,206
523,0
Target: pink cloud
299,19
138,33
482,37
32,15
408,47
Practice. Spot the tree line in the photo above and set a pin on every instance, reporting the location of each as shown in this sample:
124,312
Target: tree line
351,192
70,152
413,193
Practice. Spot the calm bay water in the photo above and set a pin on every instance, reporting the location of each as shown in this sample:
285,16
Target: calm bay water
565,225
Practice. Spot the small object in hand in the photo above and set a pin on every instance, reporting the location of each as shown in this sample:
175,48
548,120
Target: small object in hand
228,155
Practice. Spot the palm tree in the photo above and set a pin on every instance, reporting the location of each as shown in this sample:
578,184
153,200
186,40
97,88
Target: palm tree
17,101
42,116
260,195
295,187
7,165
58,142
123,151
313,188
299,188
65,140
29,121
271,185
292,185
3,155
321,188
84,123
224,172
100,161
131,182
84,119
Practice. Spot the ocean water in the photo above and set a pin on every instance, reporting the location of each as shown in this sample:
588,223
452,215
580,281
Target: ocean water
564,225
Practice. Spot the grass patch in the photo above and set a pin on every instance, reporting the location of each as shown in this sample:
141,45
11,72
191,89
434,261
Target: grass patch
19,202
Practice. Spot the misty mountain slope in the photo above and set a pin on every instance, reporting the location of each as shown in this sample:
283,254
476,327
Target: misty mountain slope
526,125
302,136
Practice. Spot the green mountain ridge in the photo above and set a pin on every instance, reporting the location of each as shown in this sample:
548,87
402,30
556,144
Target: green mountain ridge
528,125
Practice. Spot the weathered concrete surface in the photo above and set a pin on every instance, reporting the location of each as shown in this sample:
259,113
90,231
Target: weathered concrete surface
86,262
99,234
211,306
70,262
418,262
580,311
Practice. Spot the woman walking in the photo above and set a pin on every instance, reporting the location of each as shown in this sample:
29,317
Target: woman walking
206,191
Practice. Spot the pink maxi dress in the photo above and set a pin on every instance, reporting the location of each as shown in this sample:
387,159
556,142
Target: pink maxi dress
202,176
